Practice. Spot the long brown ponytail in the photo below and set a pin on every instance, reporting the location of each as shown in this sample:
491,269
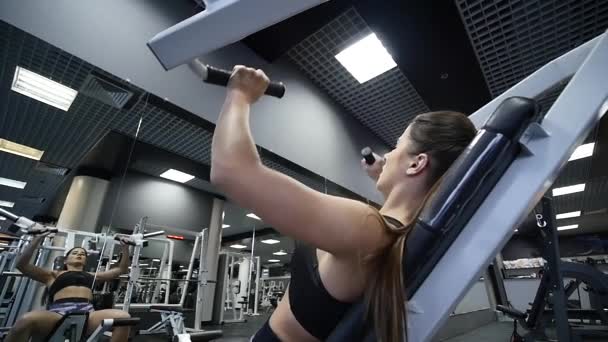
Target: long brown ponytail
443,136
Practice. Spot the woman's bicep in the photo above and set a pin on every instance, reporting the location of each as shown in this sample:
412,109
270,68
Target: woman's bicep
36,273
330,223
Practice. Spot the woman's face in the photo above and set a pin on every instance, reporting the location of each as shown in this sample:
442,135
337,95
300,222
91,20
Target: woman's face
76,257
394,164
400,165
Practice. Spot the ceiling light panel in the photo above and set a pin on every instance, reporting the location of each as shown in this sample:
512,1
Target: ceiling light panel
366,59
43,89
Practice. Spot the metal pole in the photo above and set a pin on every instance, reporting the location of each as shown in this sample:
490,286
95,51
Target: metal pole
257,286
197,242
160,275
202,279
250,269
134,274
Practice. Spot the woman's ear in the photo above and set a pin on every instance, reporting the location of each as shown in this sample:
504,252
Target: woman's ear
418,164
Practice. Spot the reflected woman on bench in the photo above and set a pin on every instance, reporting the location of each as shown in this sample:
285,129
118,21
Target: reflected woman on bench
70,290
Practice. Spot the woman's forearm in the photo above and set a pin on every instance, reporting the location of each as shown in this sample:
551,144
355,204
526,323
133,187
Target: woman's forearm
26,256
233,147
124,260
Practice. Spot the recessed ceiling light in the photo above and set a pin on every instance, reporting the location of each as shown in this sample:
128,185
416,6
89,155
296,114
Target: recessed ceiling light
7,204
253,216
274,260
568,215
572,226
156,260
140,265
43,89
582,151
281,252
568,189
177,176
12,183
270,241
20,150
224,226
238,246
366,59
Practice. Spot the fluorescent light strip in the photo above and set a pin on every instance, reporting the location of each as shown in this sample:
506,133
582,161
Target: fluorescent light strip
253,216
224,226
270,241
20,150
280,253
12,183
572,226
7,204
2,218
238,246
568,189
582,151
568,215
274,260
43,89
177,176
366,59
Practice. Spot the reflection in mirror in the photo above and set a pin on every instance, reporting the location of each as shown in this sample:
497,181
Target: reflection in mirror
58,152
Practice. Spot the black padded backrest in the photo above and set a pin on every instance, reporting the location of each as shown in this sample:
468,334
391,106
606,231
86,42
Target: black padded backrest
463,188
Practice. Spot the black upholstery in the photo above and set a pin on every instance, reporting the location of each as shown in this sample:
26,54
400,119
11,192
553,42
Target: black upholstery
464,187
169,308
122,322
205,335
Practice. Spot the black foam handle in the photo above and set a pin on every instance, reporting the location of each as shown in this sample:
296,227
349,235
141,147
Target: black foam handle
128,242
121,322
221,77
47,230
368,155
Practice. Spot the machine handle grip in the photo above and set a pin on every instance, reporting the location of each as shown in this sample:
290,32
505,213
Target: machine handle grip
121,322
368,155
221,77
9,215
148,235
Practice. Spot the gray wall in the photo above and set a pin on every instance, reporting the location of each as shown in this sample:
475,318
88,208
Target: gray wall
305,127
166,203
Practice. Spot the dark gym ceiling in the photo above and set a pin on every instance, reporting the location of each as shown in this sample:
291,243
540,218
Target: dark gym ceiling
451,54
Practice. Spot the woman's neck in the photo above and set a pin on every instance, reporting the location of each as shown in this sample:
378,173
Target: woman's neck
74,268
402,205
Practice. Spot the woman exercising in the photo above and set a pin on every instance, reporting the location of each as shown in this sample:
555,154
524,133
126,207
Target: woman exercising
346,249
70,290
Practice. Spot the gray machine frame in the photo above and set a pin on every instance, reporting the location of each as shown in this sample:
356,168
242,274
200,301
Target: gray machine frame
548,146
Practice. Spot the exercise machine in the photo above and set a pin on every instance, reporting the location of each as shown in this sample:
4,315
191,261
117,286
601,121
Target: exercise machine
550,305
235,272
490,189
71,326
174,47
492,186
172,315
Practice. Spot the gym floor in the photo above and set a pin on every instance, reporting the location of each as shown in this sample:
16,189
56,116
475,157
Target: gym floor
241,332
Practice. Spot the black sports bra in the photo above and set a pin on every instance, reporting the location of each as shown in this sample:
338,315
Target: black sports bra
70,278
312,306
